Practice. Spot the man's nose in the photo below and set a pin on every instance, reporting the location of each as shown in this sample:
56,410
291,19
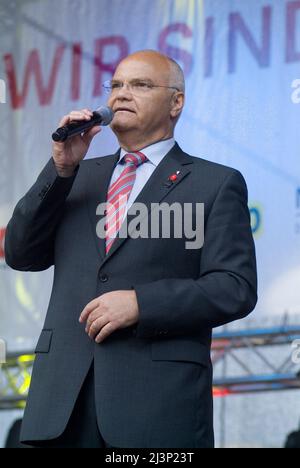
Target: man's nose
124,92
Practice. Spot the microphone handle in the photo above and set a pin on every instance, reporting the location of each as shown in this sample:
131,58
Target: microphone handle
76,128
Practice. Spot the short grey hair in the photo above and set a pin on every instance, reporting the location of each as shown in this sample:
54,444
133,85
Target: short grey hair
176,75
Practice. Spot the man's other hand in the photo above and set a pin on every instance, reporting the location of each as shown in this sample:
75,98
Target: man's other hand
110,312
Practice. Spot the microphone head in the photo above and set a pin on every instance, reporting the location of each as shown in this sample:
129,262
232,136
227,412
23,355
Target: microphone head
106,114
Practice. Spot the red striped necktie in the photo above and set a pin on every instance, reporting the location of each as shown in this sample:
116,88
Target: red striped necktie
118,195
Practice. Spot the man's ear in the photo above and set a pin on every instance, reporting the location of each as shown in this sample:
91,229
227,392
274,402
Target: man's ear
178,100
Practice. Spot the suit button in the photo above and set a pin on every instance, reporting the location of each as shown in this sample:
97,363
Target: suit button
103,277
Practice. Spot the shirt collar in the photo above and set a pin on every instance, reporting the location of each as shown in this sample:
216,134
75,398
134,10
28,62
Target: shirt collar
155,152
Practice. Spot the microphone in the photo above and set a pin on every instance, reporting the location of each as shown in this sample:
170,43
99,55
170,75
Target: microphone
102,116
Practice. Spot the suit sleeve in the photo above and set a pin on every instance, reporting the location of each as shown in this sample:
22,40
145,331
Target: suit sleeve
30,234
226,289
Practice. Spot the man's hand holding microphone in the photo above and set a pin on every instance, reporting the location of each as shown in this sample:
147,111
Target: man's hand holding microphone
73,137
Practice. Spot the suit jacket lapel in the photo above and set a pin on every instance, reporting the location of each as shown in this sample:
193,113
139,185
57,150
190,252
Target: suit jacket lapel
100,173
155,190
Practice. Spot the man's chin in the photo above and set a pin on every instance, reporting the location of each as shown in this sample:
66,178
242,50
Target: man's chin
120,126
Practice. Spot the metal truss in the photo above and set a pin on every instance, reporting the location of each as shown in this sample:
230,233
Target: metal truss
264,360
15,376
265,345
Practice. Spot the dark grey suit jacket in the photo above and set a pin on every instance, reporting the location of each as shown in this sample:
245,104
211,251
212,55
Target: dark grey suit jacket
154,380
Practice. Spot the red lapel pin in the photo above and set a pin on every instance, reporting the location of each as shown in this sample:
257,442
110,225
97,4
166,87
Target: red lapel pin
174,177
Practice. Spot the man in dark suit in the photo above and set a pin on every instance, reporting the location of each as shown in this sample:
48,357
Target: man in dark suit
124,356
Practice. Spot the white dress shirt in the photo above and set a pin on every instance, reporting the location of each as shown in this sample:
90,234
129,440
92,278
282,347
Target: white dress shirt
155,154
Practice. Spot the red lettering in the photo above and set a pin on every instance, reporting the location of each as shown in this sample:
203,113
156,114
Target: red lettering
174,52
33,68
100,66
76,72
237,26
291,30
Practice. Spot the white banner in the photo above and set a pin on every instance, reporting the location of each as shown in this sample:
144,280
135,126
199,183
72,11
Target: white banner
241,60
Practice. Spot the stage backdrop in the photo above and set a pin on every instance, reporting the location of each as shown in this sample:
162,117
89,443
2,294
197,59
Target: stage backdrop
241,59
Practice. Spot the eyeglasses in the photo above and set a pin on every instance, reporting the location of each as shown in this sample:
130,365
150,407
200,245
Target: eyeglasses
136,87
